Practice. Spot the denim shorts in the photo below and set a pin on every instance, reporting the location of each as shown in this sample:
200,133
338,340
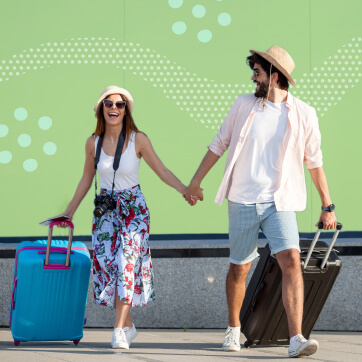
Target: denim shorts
245,221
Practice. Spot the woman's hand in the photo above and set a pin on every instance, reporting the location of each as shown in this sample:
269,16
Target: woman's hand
64,224
193,200
193,193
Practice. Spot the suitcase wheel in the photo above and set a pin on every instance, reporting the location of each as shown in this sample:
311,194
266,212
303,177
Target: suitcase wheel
248,344
16,342
76,341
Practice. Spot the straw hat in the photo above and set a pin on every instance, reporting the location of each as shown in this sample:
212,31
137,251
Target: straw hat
114,90
280,59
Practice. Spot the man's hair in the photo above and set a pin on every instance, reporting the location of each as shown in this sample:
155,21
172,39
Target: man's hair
256,58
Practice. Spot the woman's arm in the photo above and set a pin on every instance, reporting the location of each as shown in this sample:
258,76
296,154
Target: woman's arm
85,182
144,149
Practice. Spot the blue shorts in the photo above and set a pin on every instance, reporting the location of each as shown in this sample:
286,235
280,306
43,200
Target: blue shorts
245,221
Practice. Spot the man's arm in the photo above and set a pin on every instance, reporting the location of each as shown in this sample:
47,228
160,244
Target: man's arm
217,148
320,181
205,166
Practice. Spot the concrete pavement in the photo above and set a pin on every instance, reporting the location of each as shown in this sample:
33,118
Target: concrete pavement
153,345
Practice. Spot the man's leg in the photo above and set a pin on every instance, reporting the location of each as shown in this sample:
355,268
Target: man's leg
292,289
293,300
235,291
281,230
243,241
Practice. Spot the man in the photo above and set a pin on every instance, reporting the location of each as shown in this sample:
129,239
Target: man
270,134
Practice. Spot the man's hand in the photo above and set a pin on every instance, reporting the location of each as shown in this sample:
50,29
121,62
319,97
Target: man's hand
328,218
193,193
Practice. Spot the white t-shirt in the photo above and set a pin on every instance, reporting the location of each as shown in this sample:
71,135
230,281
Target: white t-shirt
257,171
127,173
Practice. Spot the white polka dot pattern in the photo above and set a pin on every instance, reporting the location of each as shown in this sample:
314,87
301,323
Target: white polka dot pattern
326,85
203,99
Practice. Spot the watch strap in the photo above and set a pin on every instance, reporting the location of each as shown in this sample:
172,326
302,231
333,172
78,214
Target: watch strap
329,208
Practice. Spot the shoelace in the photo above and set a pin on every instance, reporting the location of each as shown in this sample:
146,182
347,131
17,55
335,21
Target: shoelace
128,331
231,336
300,338
121,336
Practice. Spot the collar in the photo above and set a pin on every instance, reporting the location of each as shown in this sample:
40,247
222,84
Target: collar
290,101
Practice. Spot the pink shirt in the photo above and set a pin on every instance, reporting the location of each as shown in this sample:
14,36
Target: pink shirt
301,144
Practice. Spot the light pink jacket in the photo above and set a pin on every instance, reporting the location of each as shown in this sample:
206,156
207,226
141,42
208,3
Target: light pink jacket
301,144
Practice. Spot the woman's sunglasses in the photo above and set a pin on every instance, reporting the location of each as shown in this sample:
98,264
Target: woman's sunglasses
109,104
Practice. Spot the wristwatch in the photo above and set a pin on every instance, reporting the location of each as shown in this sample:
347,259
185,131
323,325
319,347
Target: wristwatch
329,208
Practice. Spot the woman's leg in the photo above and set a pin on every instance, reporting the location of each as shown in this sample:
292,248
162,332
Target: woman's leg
129,319
123,315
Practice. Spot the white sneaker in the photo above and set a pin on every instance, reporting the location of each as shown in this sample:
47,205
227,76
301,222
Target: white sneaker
299,346
119,339
232,339
131,333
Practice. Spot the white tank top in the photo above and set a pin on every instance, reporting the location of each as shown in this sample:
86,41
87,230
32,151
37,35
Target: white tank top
127,173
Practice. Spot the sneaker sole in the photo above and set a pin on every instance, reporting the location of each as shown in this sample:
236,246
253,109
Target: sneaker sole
119,346
307,351
231,349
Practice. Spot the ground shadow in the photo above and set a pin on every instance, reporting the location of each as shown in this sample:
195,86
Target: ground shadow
102,348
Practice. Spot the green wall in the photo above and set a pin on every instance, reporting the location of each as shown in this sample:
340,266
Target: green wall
56,57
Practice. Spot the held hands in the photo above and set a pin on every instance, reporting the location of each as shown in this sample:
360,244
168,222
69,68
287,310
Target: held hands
328,218
192,194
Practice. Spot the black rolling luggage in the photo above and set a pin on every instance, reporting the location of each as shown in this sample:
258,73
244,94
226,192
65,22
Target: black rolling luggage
263,318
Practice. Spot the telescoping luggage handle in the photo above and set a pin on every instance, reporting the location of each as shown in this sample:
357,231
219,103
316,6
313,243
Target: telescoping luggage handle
50,234
334,238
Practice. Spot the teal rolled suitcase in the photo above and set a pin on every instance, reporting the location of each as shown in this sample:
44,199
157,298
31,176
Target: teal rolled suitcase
50,288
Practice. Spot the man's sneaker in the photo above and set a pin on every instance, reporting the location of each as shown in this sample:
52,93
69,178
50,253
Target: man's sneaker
131,333
119,339
299,346
232,340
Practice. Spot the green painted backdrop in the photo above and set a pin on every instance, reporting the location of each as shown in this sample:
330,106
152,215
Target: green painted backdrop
184,63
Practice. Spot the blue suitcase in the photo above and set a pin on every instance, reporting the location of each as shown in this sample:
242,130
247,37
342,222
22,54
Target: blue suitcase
50,288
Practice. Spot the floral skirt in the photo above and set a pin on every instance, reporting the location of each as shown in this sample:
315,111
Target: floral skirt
121,252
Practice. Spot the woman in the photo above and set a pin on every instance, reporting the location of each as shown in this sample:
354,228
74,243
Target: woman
123,274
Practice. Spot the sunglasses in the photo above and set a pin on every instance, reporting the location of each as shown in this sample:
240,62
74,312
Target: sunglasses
109,104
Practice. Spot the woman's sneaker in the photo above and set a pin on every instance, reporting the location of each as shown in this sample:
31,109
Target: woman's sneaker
232,339
119,339
299,346
131,333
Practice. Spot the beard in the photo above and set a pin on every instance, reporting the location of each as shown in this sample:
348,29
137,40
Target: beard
262,92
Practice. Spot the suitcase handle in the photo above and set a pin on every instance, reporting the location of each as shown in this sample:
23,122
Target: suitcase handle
50,234
334,238
53,223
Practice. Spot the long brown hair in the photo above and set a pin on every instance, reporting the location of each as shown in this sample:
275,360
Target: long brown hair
127,121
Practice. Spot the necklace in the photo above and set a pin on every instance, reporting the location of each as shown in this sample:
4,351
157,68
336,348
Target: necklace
112,141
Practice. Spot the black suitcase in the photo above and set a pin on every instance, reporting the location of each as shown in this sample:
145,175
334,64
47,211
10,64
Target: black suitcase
263,318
